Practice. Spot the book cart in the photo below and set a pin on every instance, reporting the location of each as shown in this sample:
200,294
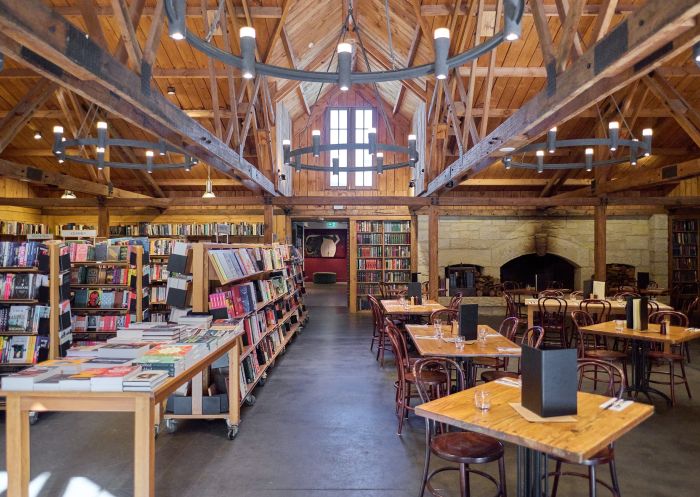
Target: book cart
57,327
204,276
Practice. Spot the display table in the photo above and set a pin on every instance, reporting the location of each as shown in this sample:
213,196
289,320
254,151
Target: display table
593,429
142,404
394,307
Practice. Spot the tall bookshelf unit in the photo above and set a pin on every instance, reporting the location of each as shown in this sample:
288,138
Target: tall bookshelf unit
159,253
683,260
382,252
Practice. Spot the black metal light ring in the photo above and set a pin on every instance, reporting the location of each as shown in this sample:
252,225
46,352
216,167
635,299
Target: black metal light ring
381,147
567,165
122,142
122,165
353,169
640,145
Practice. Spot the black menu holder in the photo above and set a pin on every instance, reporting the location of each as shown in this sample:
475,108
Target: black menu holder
549,381
468,320
414,290
414,277
637,313
587,289
643,280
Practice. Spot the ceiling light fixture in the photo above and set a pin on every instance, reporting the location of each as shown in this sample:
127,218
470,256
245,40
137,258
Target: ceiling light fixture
589,159
176,22
441,43
696,53
511,16
37,135
68,194
247,41
209,188
149,161
552,140
171,90
540,161
344,65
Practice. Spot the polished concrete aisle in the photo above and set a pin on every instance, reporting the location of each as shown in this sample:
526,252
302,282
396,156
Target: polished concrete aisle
323,426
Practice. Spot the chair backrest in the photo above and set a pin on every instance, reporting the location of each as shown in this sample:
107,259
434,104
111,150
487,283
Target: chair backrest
425,288
509,285
653,307
676,318
550,293
377,312
509,327
614,375
626,294
691,306
598,309
533,337
454,377
628,289
581,319
555,285
455,301
552,311
399,346
511,306
445,315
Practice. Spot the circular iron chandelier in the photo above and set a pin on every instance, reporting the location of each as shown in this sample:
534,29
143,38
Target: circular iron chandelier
637,148
102,144
176,10
293,158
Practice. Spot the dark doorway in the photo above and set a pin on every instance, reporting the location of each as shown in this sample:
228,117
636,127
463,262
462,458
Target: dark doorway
551,270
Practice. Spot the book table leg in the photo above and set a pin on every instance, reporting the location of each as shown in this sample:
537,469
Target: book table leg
532,473
144,447
234,406
17,440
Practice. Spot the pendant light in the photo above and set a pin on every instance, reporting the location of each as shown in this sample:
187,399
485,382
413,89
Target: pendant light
209,190
68,194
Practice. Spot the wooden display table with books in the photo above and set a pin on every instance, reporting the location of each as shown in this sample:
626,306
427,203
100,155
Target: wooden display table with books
142,404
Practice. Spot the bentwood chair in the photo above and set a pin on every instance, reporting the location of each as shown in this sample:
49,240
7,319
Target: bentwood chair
462,447
511,306
615,376
670,359
589,348
508,328
405,376
533,337
444,315
551,293
599,311
382,344
456,301
553,318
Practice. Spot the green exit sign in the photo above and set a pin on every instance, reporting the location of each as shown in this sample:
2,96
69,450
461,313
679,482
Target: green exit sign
331,224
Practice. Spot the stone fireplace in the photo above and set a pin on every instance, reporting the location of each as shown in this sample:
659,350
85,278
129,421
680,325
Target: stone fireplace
547,270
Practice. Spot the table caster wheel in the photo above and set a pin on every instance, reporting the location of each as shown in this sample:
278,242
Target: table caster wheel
250,400
231,432
170,425
33,417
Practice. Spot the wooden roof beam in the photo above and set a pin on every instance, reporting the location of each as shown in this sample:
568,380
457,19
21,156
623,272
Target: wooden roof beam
409,62
588,80
294,64
550,10
543,33
685,115
127,33
570,15
255,11
15,120
32,31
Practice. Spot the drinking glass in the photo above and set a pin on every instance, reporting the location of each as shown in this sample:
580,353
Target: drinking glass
482,337
438,327
482,400
620,299
459,342
619,325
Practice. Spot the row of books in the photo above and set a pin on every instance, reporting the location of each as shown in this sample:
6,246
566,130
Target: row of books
685,225
159,272
101,299
369,226
394,277
685,251
685,238
369,251
369,238
685,277
100,323
81,251
236,263
369,277
239,300
191,229
397,251
22,285
101,275
159,294
368,289
397,238
21,254
161,246
369,264
20,228
22,349
685,263
397,226
397,264
23,318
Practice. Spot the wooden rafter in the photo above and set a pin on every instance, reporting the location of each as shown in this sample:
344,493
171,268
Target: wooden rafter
415,40
602,20
471,85
61,97
20,115
154,33
588,80
570,21
127,33
542,27
233,129
213,85
278,30
489,78
92,21
685,115
550,10
294,64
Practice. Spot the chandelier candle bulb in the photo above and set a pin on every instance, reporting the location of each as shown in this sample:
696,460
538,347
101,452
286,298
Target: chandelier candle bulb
247,40
57,140
372,140
633,152
511,29
552,140
208,190
507,160
149,161
68,194
696,53
344,65
647,134
188,164
412,150
101,135
540,161
286,149
380,162
589,159
176,24
614,128
441,42
100,160
316,142
161,148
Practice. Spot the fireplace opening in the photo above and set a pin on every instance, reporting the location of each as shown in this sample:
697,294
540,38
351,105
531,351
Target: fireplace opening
548,271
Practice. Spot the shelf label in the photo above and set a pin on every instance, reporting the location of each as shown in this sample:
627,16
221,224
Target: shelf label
40,236
79,233
223,229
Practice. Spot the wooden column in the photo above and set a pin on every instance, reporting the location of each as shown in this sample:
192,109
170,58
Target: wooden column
599,226
102,220
433,235
269,223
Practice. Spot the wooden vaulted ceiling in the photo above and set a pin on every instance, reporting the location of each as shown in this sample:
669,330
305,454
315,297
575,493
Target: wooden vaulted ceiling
304,34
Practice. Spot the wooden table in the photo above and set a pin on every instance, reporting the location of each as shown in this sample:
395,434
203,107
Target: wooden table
394,307
654,292
593,430
641,342
142,404
573,305
429,346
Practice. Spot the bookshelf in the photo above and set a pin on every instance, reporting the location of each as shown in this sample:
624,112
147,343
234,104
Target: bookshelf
683,260
160,250
107,293
381,252
33,328
272,322
22,229
231,232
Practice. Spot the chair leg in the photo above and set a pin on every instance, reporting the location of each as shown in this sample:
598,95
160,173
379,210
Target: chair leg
613,478
555,483
672,381
426,468
685,380
502,476
591,481
464,480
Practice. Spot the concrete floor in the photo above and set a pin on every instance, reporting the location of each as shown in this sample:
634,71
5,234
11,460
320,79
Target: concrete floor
323,426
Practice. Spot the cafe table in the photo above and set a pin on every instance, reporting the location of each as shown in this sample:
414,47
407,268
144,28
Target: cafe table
616,307
396,308
641,343
593,429
429,345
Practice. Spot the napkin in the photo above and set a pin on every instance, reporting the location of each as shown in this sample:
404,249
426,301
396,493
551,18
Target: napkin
508,349
613,405
509,382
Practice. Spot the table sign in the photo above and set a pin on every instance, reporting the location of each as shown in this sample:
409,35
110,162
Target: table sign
599,290
637,313
39,236
414,291
549,381
468,320
79,233
587,289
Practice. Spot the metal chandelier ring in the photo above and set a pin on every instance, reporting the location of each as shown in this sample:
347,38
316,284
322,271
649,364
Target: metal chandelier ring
332,77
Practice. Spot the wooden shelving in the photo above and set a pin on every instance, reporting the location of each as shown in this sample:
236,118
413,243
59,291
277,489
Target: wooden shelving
683,263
